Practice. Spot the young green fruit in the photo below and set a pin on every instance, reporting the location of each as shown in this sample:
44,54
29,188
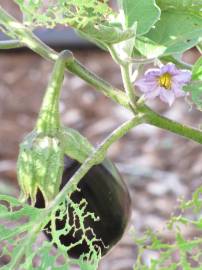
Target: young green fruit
107,197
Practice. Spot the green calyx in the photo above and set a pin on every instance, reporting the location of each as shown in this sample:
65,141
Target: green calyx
40,166
41,157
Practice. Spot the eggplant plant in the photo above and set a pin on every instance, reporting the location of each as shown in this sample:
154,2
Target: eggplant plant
70,191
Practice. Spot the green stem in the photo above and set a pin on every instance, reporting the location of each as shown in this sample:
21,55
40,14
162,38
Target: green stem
115,56
97,157
160,121
106,88
18,31
129,89
10,44
49,116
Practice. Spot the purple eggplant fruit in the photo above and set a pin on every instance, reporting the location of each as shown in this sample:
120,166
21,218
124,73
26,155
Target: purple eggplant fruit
107,197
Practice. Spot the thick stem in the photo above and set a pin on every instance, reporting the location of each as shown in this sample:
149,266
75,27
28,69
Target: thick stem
97,157
18,31
160,121
10,44
106,88
49,116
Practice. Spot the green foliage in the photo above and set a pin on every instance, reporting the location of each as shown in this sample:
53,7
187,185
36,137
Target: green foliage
89,17
144,12
176,32
77,12
25,248
182,252
195,87
79,212
187,5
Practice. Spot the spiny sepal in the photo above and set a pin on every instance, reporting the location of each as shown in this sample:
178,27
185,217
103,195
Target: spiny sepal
40,166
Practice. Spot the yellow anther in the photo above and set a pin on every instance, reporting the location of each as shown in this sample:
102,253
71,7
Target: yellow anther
165,81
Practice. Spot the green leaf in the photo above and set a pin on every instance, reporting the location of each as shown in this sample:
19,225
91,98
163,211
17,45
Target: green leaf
145,12
191,5
89,17
106,34
20,225
75,145
197,70
176,32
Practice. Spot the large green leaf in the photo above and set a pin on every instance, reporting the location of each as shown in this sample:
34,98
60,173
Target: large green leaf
145,12
176,32
191,5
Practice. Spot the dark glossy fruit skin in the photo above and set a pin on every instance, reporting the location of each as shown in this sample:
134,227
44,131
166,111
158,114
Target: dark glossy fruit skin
107,196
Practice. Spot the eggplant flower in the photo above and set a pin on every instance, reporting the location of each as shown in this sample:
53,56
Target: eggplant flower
166,82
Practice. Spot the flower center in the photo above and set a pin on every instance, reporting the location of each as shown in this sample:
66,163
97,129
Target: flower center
165,81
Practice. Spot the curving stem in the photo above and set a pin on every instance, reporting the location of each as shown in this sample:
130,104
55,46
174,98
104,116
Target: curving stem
49,117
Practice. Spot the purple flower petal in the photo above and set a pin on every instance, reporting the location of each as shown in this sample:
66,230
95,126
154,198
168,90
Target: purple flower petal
154,93
146,86
152,73
177,89
183,77
169,68
167,96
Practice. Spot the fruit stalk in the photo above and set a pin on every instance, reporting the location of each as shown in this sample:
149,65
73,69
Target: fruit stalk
49,116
